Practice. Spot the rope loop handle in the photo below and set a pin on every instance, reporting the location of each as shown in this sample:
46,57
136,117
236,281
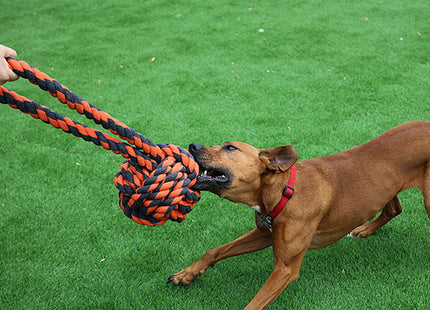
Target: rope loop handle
155,183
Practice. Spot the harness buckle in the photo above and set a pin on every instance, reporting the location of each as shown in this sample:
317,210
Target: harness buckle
290,192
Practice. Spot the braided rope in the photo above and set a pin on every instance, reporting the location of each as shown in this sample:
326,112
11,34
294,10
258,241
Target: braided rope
155,183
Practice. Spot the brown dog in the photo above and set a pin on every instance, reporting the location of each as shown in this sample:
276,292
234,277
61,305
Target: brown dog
334,195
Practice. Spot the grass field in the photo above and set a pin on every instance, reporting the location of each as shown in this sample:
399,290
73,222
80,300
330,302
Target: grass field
322,75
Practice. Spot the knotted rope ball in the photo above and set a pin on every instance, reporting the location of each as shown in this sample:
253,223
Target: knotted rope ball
152,195
155,183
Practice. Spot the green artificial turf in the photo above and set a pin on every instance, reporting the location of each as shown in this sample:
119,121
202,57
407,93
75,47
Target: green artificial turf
322,75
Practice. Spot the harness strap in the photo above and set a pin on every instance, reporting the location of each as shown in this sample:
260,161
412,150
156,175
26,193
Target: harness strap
286,194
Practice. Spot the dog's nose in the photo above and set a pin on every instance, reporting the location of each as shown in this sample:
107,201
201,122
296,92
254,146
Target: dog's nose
194,148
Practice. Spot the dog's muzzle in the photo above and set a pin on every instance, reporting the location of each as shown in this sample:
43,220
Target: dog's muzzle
211,178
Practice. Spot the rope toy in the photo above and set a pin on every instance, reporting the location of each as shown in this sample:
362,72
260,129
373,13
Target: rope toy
155,183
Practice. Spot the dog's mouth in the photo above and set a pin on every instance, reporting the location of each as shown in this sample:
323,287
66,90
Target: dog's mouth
212,179
214,174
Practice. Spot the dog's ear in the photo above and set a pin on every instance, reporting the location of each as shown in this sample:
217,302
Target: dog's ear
279,159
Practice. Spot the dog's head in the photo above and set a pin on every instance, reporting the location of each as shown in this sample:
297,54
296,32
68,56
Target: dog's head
234,170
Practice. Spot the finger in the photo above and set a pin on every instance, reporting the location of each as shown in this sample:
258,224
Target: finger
6,75
7,52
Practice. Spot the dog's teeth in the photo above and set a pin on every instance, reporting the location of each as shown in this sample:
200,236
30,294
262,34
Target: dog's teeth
205,172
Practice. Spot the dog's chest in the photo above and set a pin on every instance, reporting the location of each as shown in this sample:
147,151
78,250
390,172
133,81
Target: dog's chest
255,208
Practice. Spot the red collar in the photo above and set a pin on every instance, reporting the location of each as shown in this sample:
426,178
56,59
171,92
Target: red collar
286,194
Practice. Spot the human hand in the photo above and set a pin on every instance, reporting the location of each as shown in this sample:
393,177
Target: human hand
6,75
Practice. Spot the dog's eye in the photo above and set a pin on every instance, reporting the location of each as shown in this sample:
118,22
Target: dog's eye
230,147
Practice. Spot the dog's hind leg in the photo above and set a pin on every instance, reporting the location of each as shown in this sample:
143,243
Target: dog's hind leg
391,209
255,240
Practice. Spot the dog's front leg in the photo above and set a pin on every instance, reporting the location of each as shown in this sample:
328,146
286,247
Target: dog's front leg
290,243
281,276
256,239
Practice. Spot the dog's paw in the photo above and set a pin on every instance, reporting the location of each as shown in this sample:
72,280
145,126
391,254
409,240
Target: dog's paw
362,231
185,277
178,283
